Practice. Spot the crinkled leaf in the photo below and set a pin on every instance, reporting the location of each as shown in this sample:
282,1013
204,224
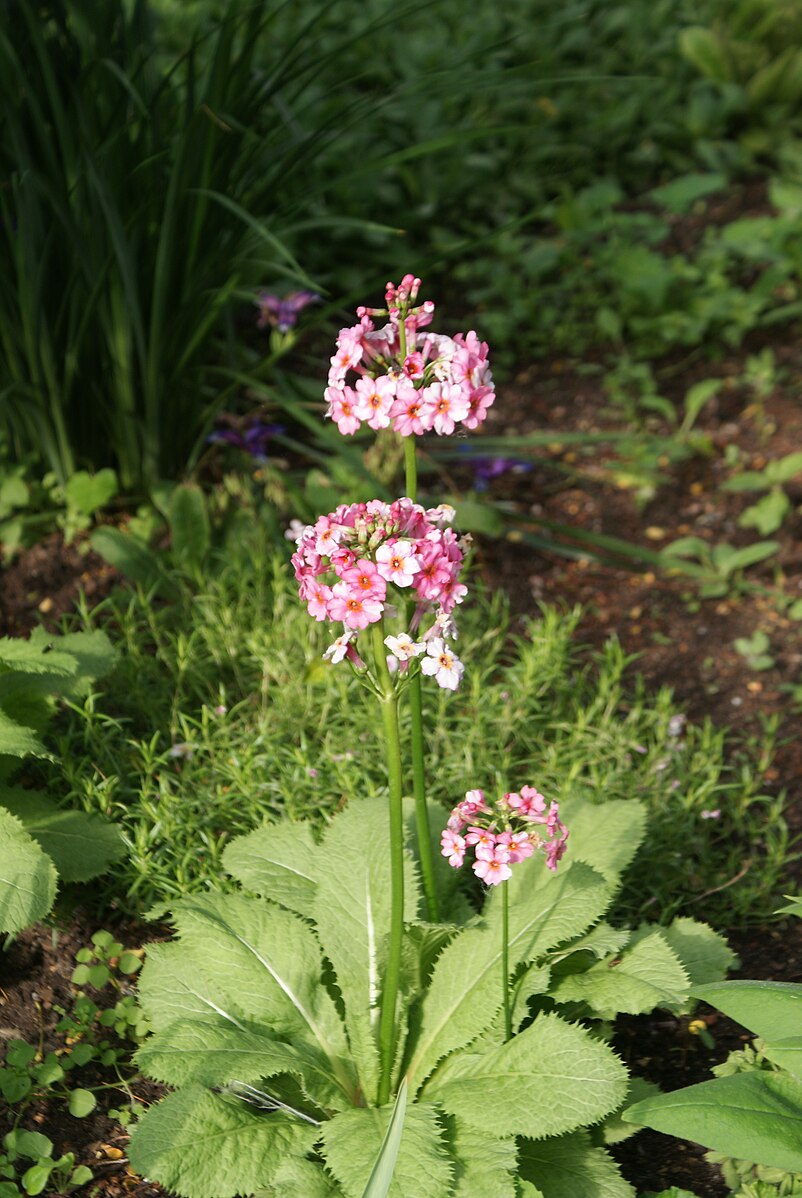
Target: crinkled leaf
604,835
549,1079
213,1050
279,860
463,996
772,1010
353,917
93,653
601,941
641,978
251,962
485,1164
27,877
300,1179
81,845
36,656
571,1165
705,955
203,1145
753,1116
19,741
352,1140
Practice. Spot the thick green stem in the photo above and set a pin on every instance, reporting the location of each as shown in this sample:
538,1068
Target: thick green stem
389,1000
421,810
505,960
411,467
416,729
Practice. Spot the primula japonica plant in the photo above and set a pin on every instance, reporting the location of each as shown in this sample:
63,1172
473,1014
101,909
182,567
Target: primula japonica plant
287,1015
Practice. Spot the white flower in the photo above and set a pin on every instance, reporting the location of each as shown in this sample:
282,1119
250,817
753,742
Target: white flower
337,651
403,647
445,666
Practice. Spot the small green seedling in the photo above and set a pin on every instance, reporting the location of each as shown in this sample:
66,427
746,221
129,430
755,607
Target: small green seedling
754,649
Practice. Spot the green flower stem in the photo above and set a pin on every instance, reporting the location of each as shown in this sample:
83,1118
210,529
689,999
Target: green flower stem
421,809
411,466
389,1000
416,721
505,960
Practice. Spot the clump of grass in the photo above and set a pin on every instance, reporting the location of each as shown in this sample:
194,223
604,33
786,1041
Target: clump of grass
222,715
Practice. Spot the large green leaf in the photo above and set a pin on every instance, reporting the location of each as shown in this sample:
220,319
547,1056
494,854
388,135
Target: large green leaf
604,835
27,877
352,1140
202,1145
296,1178
641,978
81,845
18,741
485,1164
465,991
279,861
753,1116
251,962
705,955
353,920
551,1078
189,525
772,1010
572,1165
36,656
93,653
215,1049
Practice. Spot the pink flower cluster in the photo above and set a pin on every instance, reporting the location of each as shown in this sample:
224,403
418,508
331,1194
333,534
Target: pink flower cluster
346,561
416,382
502,834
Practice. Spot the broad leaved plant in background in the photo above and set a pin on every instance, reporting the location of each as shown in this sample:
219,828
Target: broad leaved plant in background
40,841
288,1014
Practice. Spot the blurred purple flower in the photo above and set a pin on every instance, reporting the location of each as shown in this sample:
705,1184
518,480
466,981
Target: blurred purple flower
281,312
486,469
252,438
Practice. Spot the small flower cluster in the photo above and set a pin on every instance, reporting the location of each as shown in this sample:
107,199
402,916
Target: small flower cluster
416,382
504,833
367,547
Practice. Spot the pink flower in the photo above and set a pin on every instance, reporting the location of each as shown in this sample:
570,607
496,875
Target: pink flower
492,870
317,601
518,844
445,666
555,851
483,839
529,803
341,409
374,398
397,562
445,405
363,577
355,610
408,411
453,846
